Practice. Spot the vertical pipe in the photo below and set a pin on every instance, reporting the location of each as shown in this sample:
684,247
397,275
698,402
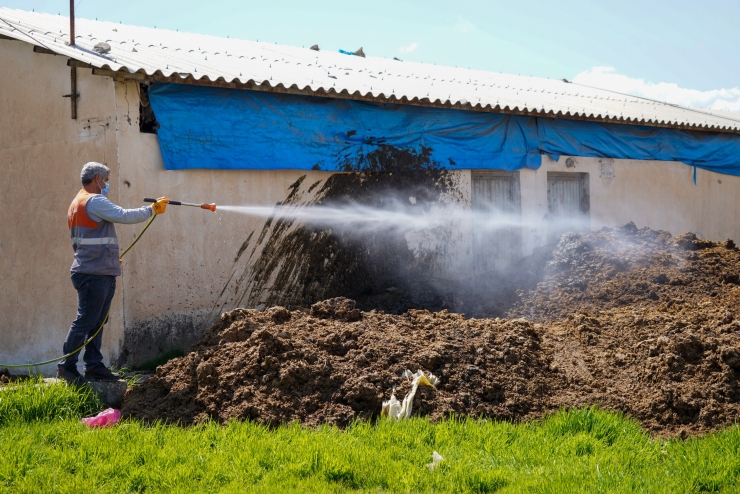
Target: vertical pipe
73,70
73,92
72,22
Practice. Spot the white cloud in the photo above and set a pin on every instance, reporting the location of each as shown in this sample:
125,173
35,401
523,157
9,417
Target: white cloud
408,49
464,26
608,78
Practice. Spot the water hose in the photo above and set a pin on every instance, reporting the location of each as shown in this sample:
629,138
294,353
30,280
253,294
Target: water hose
105,319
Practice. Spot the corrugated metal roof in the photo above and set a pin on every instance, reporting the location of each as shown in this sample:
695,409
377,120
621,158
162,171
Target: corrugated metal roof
201,59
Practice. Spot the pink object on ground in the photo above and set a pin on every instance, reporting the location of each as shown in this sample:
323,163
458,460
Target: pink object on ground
106,418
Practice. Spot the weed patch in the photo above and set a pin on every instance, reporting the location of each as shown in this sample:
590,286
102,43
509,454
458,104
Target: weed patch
34,399
578,450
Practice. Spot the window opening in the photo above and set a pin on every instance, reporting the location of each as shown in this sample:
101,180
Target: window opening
147,121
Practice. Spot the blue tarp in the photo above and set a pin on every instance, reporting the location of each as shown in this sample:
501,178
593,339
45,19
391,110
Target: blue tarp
204,127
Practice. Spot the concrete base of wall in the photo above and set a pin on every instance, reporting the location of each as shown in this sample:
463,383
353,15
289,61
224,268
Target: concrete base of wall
148,340
111,393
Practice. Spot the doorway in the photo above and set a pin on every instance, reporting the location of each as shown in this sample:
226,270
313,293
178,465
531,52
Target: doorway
568,203
497,231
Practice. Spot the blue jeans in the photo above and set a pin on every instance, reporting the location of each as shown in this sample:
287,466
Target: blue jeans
94,295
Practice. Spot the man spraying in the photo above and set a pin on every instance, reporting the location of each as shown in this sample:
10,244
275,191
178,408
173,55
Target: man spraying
95,267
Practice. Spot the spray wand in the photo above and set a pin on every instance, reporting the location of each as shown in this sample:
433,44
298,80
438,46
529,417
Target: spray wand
211,206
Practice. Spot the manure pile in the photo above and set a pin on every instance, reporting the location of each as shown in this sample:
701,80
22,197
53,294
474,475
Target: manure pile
633,320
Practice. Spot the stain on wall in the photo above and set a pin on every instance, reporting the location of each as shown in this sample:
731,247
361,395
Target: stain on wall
293,264
149,339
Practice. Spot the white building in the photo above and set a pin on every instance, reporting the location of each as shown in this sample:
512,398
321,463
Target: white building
191,264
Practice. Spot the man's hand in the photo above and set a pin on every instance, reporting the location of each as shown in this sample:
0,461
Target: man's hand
160,206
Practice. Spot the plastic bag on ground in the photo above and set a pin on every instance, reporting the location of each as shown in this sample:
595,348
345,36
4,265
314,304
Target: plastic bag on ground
436,460
397,411
106,418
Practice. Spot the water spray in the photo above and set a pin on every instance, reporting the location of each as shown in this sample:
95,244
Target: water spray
211,207
395,216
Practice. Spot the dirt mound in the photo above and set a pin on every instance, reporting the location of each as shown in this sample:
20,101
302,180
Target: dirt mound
340,367
634,320
677,372
338,308
626,266
675,369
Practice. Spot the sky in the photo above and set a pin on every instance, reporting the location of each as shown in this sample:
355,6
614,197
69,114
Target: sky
679,51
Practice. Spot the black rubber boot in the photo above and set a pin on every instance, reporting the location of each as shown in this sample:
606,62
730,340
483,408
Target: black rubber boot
71,377
101,373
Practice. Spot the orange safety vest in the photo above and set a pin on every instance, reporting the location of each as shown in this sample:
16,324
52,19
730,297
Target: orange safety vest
95,243
77,214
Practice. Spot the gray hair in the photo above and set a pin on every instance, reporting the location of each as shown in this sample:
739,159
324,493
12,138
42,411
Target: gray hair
91,170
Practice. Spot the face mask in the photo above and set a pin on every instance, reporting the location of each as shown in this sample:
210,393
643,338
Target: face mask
105,189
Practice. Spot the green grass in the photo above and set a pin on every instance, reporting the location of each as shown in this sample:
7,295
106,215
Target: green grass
32,400
584,450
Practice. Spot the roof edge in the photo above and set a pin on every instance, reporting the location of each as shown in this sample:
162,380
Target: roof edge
265,86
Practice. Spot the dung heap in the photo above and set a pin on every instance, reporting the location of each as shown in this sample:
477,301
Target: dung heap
633,320
334,364
626,266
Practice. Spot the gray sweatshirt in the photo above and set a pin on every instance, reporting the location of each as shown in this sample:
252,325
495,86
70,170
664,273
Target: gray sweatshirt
96,249
101,208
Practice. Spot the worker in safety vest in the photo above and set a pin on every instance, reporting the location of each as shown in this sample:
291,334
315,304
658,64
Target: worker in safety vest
95,267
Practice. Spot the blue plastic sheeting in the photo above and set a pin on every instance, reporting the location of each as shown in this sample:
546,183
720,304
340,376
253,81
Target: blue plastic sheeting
203,127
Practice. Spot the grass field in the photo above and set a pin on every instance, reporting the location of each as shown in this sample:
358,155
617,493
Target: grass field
44,448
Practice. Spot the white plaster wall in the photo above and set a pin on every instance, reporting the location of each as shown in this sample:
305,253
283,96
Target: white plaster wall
175,275
657,194
41,153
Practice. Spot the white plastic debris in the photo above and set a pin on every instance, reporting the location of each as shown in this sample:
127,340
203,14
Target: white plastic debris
392,407
436,460
432,380
396,410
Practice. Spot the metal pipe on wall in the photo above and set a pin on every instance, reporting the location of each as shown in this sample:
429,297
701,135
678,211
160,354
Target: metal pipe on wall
73,91
73,70
71,22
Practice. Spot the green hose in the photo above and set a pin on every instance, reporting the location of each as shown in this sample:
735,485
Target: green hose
36,364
